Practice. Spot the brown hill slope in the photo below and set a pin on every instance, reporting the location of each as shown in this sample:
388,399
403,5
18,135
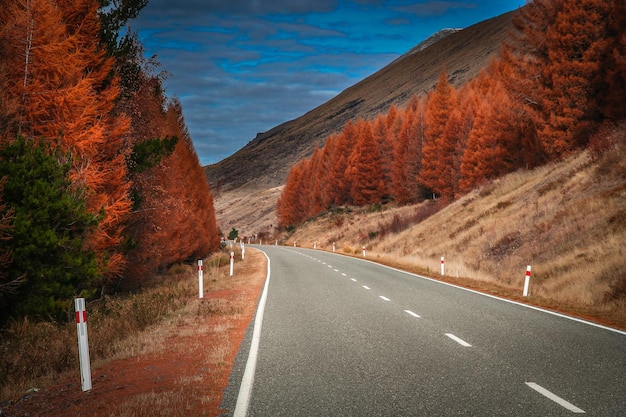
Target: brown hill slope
263,164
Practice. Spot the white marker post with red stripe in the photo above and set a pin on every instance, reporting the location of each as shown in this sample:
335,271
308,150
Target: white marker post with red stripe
200,280
443,266
232,263
527,281
83,343
364,251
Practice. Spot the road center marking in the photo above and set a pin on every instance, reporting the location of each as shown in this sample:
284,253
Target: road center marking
353,279
366,287
458,340
410,313
560,401
382,297
343,274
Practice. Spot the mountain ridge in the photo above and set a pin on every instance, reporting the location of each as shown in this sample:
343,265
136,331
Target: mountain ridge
259,169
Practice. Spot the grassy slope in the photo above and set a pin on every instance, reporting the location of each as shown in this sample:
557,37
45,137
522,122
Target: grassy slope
567,220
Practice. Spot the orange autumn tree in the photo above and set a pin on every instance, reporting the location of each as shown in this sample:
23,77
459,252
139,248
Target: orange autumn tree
190,229
337,188
614,105
365,168
316,184
291,206
493,148
407,155
59,86
561,67
438,147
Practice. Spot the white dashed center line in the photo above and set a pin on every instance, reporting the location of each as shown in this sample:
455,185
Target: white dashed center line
458,340
410,313
560,401
567,405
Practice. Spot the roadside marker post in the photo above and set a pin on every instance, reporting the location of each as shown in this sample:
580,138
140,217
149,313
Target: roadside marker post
232,263
527,281
315,245
243,251
443,267
333,247
83,344
364,251
200,279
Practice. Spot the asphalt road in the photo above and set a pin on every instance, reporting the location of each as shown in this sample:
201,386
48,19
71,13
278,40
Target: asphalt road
346,337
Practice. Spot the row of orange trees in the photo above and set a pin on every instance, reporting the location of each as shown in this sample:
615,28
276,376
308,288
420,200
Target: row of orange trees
100,181
560,76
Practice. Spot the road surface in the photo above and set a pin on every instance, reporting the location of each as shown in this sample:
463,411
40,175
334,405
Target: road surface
345,337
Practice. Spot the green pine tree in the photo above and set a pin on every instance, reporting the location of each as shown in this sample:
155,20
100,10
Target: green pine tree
49,226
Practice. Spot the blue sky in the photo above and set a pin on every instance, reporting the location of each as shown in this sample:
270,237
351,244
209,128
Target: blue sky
241,67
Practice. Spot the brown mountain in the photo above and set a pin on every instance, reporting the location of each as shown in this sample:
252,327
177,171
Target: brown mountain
246,184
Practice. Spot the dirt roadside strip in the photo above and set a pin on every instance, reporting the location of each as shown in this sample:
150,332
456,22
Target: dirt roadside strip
185,369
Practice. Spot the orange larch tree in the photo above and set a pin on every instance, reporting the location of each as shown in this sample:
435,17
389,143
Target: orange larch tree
337,189
560,72
407,159
191,227
291,206
494,145
316,183
615,104
61,88
365,171
437,151
385,140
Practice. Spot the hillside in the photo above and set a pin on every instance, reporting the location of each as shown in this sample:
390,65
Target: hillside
566,219
246,185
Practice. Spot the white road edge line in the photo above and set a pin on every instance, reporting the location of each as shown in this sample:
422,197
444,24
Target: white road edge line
495,297
410,313
382,297
245,389
458,340
560,401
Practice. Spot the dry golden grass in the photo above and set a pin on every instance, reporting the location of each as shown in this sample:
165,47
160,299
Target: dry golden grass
199,338
567,220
